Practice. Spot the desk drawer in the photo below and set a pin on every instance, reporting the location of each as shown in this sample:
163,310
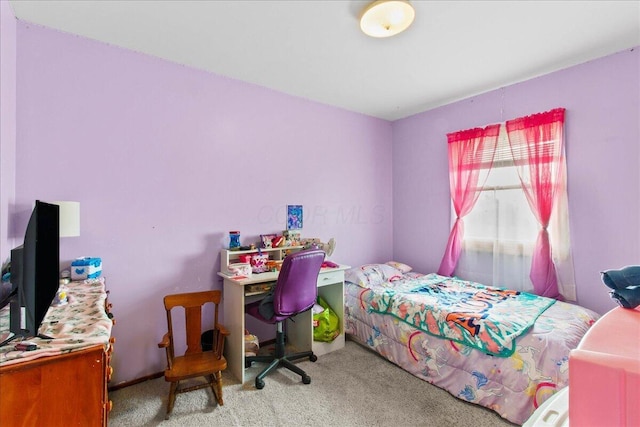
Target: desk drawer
330,278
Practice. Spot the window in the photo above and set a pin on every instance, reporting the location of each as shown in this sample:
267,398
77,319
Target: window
500,232
510,225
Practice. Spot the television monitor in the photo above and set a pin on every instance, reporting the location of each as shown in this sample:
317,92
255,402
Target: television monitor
35,270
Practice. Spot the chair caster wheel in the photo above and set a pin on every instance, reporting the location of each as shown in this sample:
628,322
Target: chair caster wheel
306,379
259,384
313,358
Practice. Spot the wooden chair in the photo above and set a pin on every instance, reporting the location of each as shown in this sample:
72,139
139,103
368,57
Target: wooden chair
195,362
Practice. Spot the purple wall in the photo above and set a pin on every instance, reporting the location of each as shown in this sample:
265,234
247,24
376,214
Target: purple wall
165,160
7,124
603,156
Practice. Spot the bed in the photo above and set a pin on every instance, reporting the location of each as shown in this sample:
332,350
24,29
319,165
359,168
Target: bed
504,350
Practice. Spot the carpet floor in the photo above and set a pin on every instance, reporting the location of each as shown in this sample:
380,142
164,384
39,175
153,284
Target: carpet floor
349,387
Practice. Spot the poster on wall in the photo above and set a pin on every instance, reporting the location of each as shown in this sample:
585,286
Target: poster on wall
294,217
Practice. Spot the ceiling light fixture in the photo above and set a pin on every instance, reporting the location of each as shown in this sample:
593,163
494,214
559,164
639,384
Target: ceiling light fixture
386,18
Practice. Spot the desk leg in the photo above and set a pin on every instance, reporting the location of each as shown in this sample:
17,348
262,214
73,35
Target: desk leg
233,304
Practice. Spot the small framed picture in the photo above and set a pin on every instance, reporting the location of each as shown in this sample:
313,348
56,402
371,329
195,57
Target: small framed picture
294,217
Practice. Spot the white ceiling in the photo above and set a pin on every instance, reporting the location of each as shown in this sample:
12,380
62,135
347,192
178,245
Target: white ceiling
315,50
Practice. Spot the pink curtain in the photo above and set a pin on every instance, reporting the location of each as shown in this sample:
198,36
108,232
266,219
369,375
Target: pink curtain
470,153
537,147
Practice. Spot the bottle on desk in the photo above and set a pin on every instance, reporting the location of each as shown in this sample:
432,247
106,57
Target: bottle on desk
234,240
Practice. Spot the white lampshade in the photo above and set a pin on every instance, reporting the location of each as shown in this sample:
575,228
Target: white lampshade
69,218
386,18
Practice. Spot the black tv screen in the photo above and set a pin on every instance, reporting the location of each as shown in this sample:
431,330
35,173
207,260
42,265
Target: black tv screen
35,270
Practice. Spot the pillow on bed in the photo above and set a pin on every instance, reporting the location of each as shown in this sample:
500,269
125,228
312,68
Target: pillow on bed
404,268
372,274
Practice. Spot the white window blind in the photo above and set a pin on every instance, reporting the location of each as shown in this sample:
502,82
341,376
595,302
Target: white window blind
500,231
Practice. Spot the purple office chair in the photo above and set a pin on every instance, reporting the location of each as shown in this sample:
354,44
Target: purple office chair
295,291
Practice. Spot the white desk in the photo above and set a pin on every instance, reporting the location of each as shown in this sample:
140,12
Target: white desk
299,333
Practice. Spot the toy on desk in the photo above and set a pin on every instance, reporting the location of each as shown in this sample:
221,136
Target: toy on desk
266,240
624,284
315,243
274,265
292,237
60,298
259,262
277,241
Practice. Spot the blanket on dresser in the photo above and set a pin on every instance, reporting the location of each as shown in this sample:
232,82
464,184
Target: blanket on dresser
80,323
484,317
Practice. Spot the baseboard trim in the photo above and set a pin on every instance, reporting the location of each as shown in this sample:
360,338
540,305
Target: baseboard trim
136,381
160,374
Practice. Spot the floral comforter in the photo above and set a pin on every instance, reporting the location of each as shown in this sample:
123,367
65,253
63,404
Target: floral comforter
512,386
487,318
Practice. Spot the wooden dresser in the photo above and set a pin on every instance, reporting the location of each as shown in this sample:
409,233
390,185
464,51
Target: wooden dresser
64,381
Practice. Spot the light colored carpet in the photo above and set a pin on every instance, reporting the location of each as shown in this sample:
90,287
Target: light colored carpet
349,387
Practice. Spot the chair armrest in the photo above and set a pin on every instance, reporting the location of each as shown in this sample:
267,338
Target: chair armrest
223,331
165,341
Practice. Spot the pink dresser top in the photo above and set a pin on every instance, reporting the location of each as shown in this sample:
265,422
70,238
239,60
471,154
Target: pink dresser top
617,333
